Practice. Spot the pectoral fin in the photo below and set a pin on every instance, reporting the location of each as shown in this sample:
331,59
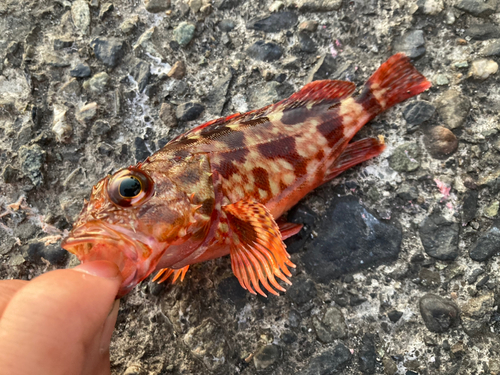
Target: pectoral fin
165,273
257,250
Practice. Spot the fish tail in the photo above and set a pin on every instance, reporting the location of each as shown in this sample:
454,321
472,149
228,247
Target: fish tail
395,81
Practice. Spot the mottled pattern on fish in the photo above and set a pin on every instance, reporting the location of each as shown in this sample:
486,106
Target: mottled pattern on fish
219,187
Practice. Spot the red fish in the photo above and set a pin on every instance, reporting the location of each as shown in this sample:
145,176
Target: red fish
220,188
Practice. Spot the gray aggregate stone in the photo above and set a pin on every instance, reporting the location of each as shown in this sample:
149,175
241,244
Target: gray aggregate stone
453,108
476,314
330,326
108,50
405,158
486,246
80,13
439,237
184,33
157,6
97,84
412,44
331,361
266,356
32,159
478,8
483,31
274,22
264,51
80,70
439,314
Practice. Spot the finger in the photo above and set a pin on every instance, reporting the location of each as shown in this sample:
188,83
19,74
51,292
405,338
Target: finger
7,290
50,326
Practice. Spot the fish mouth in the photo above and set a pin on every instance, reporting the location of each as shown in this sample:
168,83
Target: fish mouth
98,241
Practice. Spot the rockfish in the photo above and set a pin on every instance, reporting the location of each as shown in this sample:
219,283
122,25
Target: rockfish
220,188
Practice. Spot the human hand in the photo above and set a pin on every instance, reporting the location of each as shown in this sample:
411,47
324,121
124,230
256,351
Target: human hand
60,322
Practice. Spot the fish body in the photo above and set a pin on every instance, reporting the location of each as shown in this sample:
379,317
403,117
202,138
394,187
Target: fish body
220,188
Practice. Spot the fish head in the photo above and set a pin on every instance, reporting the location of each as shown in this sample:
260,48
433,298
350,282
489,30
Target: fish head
132,217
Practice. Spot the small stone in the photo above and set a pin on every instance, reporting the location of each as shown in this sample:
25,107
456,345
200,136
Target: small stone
129,25
273,23
80,12
140,149
483,31
306,44
453,108
291,62
80,70
178,71
134,369
184,33
195,5
440,142
226,25
141,73
412,44
407,192
474,275
491,49
331,326
439,314
449,17
394,315
157,6
430,7
70,90
390,367
441,80
276,6
9,176
360,239
227,4
461,64
306,6
429,278
492,210
478,8
32,159
405,158
264,51
61,43
60,126
331,361
367,355
486,246
100,128
439,237
189,111
323,69
266,356
86,113
55,61
105,10
310,26
483,68
418,112
217,96
476,314
97,83
302,291
108,50
167,115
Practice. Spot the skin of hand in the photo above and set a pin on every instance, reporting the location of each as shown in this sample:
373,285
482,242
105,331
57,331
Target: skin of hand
60,322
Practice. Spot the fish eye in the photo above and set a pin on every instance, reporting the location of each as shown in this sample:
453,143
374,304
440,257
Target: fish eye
130,187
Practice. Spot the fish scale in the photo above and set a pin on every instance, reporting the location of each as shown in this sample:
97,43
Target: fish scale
220,188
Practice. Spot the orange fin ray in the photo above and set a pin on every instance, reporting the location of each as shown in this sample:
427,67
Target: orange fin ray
355,153
288,230
165,273
257,250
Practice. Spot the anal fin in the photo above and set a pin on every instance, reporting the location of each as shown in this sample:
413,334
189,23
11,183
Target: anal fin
287,229
165,273
257,250
355,153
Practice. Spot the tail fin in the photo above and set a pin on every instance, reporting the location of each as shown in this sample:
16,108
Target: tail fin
395,81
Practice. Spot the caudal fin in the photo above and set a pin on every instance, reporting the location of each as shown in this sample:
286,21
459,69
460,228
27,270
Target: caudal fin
395,81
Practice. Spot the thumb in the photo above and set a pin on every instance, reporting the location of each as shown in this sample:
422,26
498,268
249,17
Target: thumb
61,322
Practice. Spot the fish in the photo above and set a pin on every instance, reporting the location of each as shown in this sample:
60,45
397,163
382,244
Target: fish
222,188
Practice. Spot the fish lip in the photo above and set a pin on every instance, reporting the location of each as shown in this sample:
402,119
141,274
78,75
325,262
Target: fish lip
99,232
